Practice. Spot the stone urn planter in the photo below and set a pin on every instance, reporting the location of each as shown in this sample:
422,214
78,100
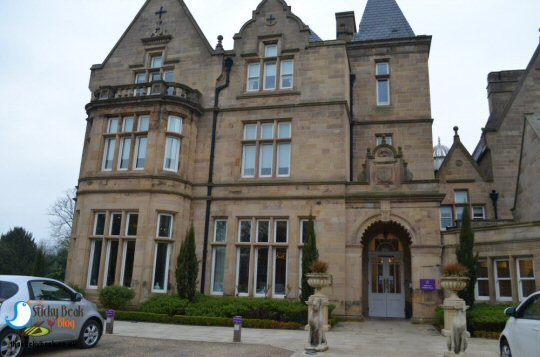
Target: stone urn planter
319,280
454,283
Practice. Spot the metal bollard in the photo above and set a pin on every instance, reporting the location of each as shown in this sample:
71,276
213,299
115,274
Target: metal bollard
237,321
109,314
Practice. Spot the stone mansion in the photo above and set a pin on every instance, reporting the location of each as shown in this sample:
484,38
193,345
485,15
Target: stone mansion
244,144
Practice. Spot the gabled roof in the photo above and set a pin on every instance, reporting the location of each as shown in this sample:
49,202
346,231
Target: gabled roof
494,121
383,20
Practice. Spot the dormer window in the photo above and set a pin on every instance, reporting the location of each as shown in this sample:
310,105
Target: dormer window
270,50
155,62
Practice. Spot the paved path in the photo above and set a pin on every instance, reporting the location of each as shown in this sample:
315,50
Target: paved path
370,338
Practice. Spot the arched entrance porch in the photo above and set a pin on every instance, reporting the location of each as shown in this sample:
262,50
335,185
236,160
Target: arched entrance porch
386,258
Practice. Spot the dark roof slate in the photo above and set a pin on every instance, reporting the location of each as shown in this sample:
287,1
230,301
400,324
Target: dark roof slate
383,20
313,37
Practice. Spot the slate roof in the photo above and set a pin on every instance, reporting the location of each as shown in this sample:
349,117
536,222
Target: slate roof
313,37
383,20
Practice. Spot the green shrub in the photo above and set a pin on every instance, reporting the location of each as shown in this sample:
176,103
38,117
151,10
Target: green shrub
165,304
201,320
115,297
77,288
483,320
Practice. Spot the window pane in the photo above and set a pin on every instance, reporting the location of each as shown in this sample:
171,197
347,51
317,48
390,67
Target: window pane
249,161
478,212
156,76
505,288
116,224
267,131
503,270
160,268
175,125
129,258
140,78
305,230
111,260
527,287
128,124
526,269
133,219
287,74
245,231
99,228
172,154
165,225
250,131
482,269
243,270
125,153
483,288
280,266
253,76
113,125
221,231
267,153
459,213
270,51
284,130
383,91
461,197
219,270
141,152
156,62
144,123
446,217
262,231
281,232
109,154
168,76
383,69
95,261
47,290
270,76
284,159
261,283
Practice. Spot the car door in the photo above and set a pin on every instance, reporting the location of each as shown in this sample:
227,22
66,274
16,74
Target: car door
527,329
52,308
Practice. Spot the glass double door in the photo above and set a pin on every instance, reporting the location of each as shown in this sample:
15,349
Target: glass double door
386,293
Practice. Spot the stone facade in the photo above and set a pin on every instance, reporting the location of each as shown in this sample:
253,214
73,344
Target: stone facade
245,144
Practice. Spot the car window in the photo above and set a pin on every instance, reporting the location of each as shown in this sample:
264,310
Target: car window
7,290
532,310
49,290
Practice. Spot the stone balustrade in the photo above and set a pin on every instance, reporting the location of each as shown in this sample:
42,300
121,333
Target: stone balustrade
155,88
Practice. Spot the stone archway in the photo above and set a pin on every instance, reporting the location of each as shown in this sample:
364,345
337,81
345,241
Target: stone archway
386,260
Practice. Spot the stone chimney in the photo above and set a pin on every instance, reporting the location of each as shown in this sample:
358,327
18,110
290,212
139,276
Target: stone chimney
500,87
345,25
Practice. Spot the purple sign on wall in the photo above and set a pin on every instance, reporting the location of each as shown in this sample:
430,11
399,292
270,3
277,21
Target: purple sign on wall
427,284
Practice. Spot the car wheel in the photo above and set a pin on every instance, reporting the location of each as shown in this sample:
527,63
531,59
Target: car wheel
505,349
11,343
90,334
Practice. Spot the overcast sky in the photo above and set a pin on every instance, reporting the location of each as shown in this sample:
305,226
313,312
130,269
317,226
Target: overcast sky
48,46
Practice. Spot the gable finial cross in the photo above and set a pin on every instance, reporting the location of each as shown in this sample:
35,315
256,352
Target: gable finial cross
270,20
161,12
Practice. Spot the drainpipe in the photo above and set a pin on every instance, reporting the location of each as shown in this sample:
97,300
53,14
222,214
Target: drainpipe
228,62
351,127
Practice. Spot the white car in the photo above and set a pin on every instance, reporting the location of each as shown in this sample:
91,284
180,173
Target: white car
40,311
521,335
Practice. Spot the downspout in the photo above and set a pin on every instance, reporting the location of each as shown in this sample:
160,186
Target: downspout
228,62
351,128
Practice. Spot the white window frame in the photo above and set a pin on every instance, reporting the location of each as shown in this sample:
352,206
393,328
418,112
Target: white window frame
140,78
104,223
170,228
282,75
274,256
521,279
256,269
270,46
215,230
261,146
257,221
167,263
143,118
124,256
497,279
175,163
107,258
155,58
137,147
478,278
483,212
467,199
387,137
106,154
121,153
381,103
451,210
278,156
109,125
173,118
129,214
250,78
244,160
289,124
214,249
265,87
240,230
91,262
126,120
111,220
238,269
275,231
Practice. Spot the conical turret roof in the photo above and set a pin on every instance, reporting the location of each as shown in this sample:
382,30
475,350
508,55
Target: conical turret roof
383,20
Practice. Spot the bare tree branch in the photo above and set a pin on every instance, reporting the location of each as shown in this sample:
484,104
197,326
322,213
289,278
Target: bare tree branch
61,223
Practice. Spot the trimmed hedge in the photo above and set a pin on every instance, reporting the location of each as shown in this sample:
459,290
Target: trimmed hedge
483,320
165,304
201,320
